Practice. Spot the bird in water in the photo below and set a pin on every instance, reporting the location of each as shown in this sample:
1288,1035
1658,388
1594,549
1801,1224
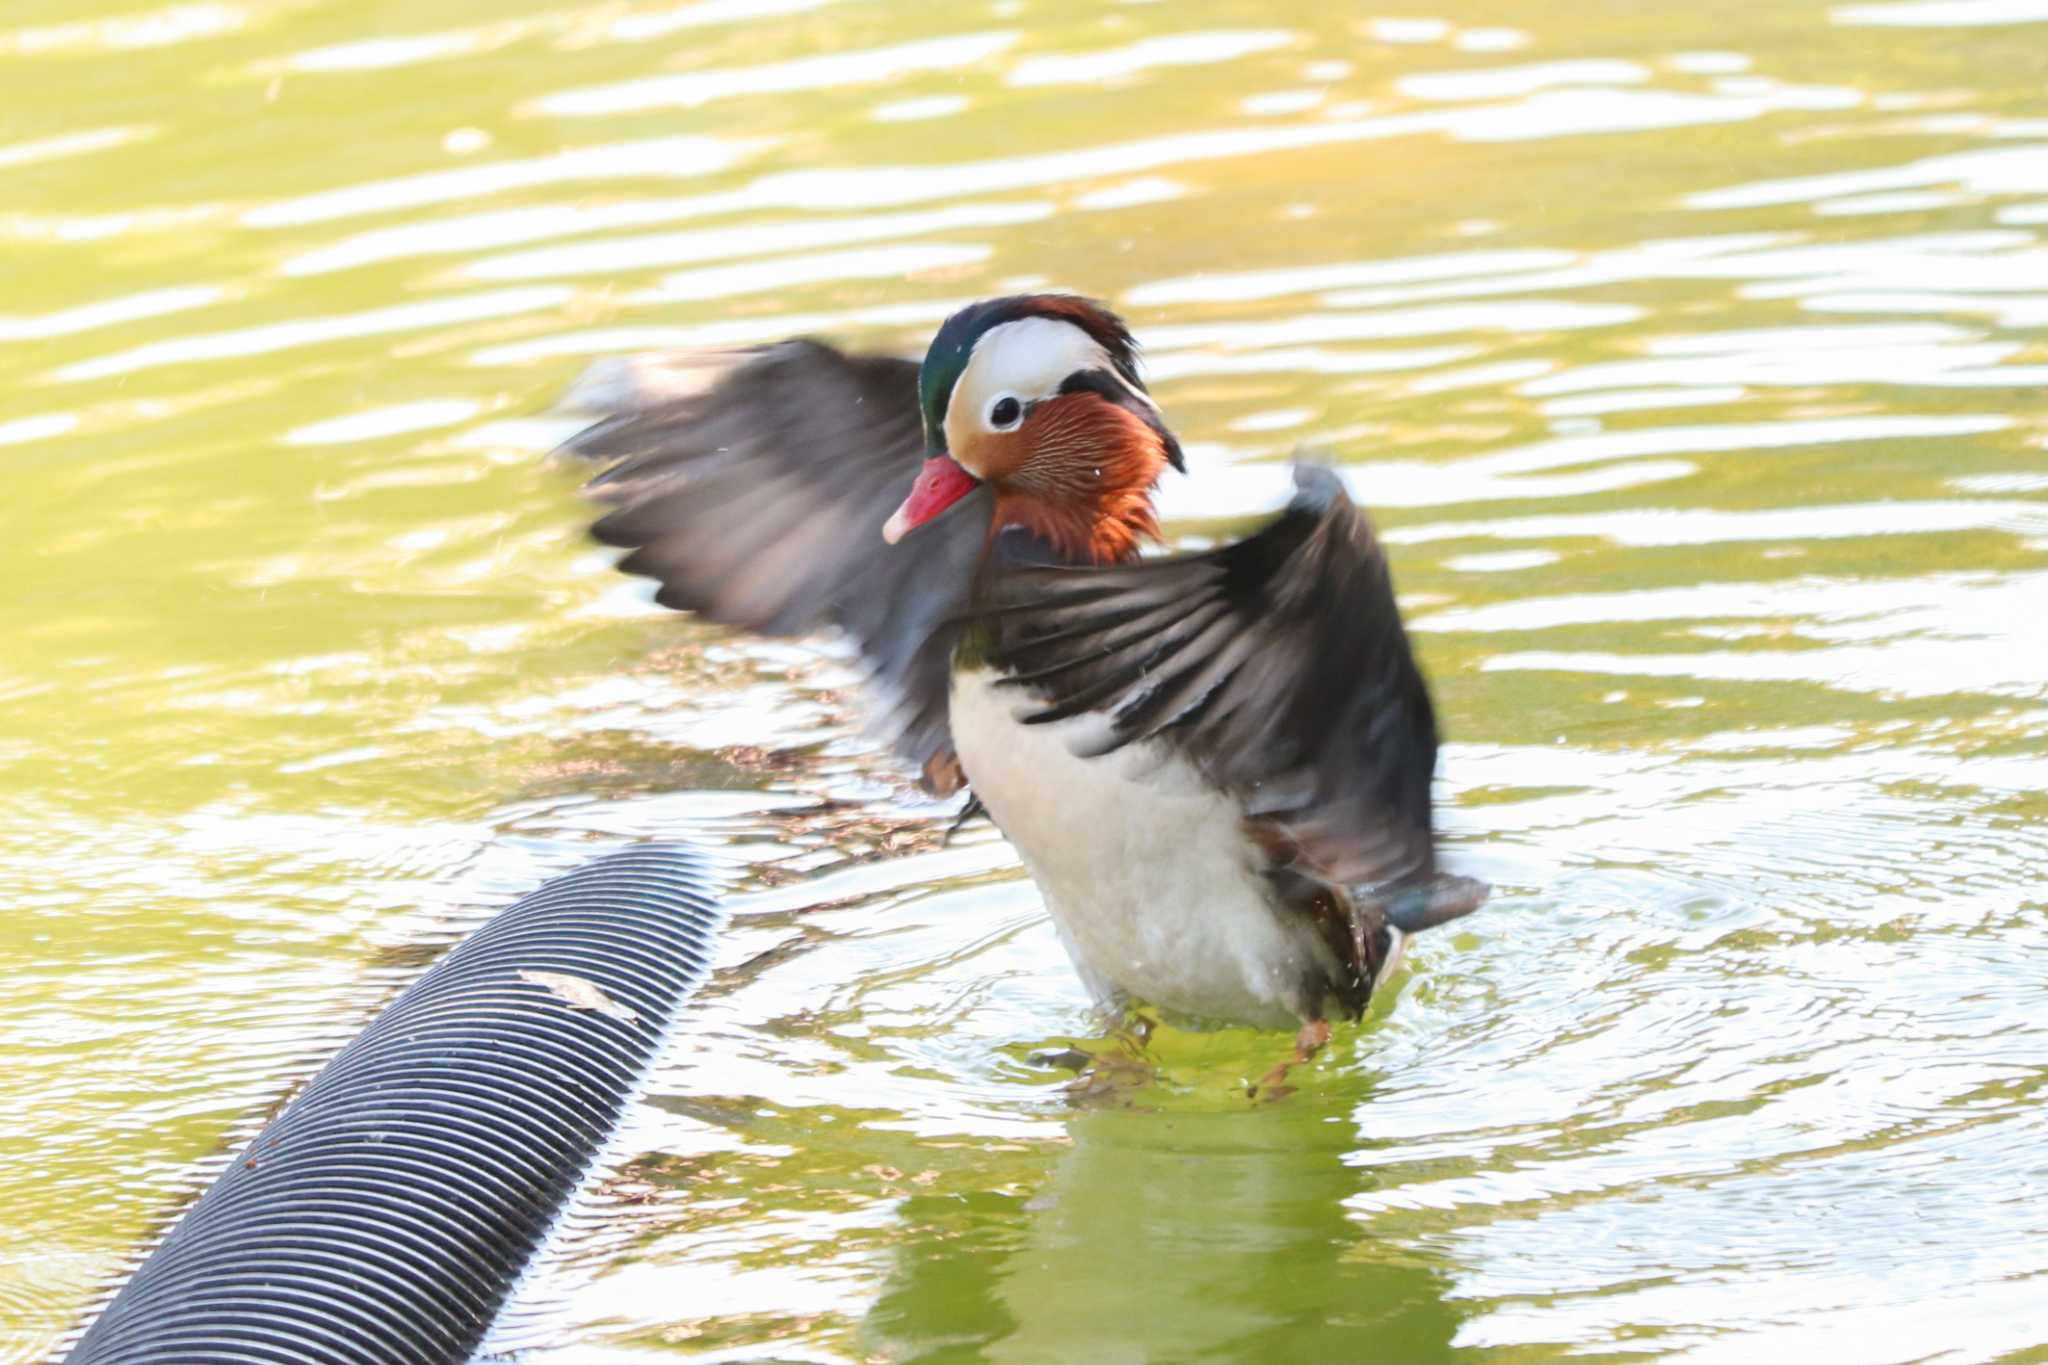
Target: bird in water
1216,765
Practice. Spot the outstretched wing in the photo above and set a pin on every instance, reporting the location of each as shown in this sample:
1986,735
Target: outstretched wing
1277,666
758,501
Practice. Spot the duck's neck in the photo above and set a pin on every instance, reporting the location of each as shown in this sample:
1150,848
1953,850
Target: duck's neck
1091,508
1079,534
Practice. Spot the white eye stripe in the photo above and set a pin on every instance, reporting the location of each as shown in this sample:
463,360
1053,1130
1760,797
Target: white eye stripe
1031,358
1028,360
1133,389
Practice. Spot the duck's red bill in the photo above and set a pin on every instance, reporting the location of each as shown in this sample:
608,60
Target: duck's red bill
940,484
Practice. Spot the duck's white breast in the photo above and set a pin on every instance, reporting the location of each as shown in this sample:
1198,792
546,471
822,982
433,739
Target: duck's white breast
1147,871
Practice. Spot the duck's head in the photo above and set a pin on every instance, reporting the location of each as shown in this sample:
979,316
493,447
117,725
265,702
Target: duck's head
1038,396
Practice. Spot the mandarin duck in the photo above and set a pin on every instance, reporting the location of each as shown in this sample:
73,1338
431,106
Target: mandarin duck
1215,765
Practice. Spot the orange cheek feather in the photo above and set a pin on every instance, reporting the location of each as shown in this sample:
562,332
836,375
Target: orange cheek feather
1085,478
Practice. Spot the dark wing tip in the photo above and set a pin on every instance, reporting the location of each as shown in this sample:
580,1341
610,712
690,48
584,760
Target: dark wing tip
614,529
1317,487
619,385
1437,902
594,441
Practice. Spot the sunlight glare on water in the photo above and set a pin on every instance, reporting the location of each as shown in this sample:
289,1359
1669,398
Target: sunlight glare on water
1691,356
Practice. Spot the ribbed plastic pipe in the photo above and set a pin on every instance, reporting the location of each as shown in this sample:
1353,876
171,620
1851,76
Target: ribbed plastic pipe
386,1215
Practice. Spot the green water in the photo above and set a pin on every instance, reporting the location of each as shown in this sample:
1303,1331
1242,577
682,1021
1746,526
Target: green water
1693,357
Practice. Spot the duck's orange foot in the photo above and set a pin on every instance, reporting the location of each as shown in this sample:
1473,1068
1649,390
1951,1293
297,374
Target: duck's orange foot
1113,1073
1312,1038
1109,1079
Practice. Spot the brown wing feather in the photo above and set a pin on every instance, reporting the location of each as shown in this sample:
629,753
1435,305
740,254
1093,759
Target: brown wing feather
758,501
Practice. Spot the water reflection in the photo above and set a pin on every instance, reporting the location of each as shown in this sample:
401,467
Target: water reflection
1653,527
750,240
1210,1236
38,428
1942,13
664,158
1181,49
281,336
126,32
108,313
383,422
69,144
835,71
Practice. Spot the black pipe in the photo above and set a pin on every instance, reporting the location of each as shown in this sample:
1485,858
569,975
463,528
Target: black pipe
386,1214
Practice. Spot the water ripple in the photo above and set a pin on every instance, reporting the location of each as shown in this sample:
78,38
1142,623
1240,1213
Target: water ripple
1687,367
274,337
1181,49
835,71
615,254
678,158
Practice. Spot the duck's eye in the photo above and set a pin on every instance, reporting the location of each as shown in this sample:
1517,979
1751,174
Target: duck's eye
1005,413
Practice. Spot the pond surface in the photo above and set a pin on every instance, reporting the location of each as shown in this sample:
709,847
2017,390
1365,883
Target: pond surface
1692,357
